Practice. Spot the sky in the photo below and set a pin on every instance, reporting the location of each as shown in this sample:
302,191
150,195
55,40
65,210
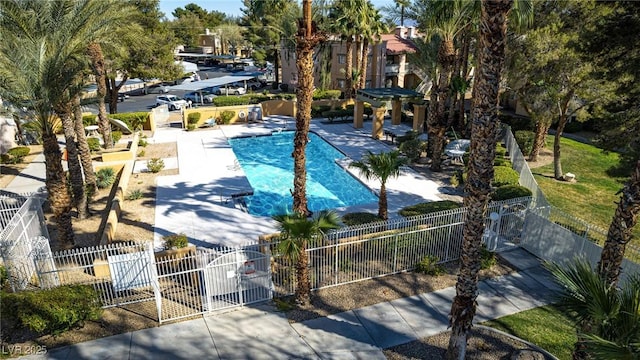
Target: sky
229,7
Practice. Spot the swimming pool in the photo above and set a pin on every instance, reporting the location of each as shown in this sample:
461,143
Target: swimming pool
267,162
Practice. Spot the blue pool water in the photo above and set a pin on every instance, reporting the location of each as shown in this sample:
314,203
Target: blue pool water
267,162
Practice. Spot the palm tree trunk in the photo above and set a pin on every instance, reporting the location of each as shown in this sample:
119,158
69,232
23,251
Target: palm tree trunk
446,58
356,84
303,288
485,126
464,58
382,202
620,230
97,62
348,69
56,183
364,63
75,169
84,151
308,37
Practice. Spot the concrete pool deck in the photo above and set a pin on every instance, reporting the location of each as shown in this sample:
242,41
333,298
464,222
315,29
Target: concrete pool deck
199,201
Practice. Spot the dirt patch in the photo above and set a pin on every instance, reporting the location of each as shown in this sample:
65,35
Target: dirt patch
545,157
8,172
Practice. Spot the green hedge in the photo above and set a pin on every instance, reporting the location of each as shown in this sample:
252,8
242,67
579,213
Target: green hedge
17,154
525,140
318,110
326,94
50,311
510,192
359,218
88,120
429,207
504,175
231,100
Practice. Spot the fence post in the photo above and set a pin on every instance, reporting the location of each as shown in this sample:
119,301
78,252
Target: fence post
395,253
155,282
335,265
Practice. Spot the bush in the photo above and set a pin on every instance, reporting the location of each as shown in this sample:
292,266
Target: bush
175,241
359,218
141,153
142,142
573,127
134,195
116,136
412,149
503,175
408,136
326,94
525,140
94,144
231,100
318,110
456,179
134,120
88,120
429,207
193,118
51,311
510,192
105,177
4,278
501,162
429,266
191,127
342,114
155,165
518,123
17,154
501,151
258,98
487,258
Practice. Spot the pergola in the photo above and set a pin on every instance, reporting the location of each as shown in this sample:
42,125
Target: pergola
378,97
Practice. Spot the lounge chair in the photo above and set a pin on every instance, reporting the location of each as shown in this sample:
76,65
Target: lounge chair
456,149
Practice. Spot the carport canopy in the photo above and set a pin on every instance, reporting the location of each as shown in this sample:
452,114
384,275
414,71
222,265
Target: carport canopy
201,84
378,98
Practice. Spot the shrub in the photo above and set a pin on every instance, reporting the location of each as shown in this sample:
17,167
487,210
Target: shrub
456,179
412,149
4,278
155,165
141,153
116,136
88,120
503,175
258,98
573,126
359,218
231,100
191,127
429,207
501,151
142,142
105,177
429,266
525,139
287,96
134,195
501,162
487,258
17,154
318,110
225,117
510,192
51,311
175,241
326,94
5,158
193,118
134,120
94,144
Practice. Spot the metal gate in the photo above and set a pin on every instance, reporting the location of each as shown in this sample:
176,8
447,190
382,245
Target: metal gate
236,278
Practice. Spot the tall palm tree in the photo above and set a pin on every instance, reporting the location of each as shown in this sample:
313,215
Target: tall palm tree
307,38
402,4
620,230
381,166
372,27
83,149
607,317
493,30
343,13
296,231
94,50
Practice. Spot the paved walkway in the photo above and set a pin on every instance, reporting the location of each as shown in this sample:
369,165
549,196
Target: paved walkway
261,332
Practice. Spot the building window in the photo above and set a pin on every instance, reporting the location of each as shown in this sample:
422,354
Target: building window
342,59
342,83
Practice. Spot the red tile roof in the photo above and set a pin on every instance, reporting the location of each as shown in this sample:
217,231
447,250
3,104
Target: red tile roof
398,45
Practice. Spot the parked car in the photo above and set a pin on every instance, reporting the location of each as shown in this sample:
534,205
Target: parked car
194,97
232,89
157,89
254,85
122,96
173,102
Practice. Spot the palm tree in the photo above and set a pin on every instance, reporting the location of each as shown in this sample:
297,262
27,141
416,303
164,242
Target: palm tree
307,38
620,230
343,14
493,31
402,4
83,149
97,63
371,30
381,166
296,231
606,316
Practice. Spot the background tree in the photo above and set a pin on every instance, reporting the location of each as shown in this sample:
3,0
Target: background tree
296,231
307,39
381,166
372,27
493,29
187,29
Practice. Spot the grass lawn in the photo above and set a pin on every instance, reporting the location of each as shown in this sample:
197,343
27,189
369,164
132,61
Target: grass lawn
545,326
592,198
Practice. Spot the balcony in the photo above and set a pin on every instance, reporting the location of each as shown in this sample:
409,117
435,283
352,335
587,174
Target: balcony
393,69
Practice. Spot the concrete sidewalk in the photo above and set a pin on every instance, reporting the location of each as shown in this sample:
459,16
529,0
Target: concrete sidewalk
261,332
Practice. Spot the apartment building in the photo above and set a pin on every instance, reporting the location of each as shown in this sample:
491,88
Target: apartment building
387,65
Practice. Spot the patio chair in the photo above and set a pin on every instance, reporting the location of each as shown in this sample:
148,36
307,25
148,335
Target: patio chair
456,149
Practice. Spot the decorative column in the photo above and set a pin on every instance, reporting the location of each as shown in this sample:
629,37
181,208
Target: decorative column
396,112
358,112
378,122
419,112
